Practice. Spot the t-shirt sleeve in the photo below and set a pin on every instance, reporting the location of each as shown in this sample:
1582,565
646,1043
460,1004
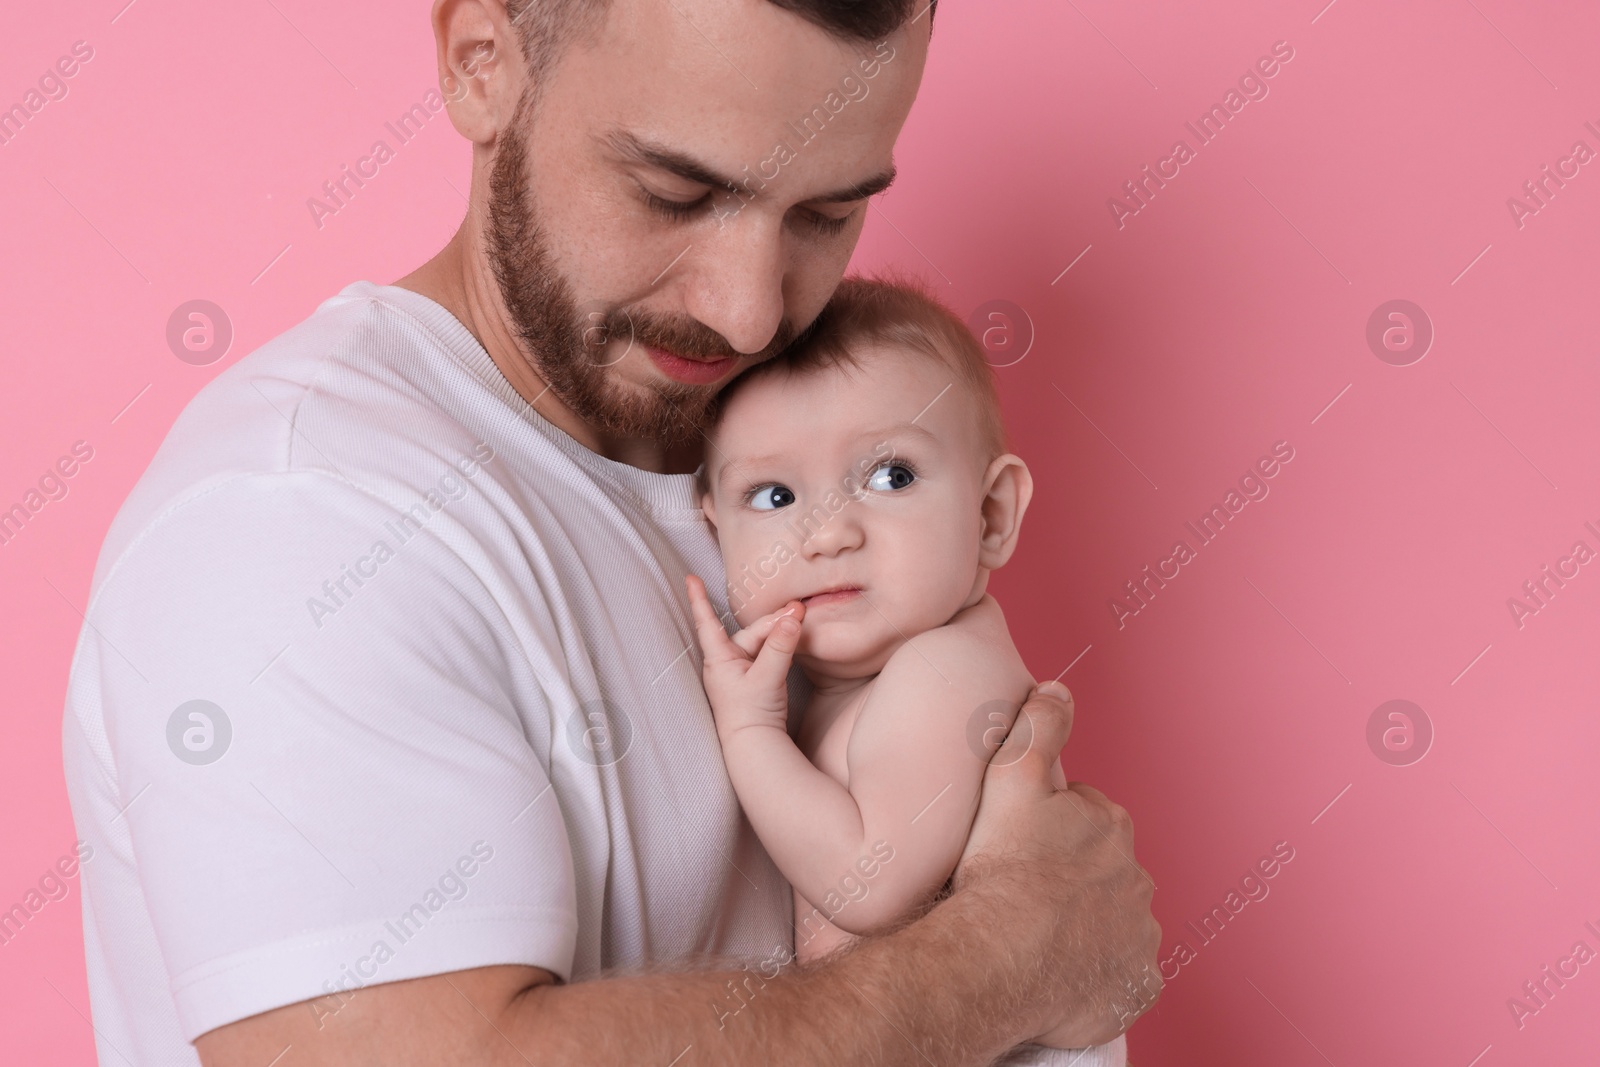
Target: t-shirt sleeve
309,717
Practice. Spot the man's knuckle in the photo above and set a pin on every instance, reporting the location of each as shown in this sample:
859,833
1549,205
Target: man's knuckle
1042,704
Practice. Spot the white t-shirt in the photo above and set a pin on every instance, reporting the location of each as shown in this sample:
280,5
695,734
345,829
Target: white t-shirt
385,676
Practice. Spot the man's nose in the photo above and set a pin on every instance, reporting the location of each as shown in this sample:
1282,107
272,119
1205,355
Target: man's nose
736,280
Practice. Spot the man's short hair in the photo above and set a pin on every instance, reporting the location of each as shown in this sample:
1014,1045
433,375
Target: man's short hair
893,309
547,27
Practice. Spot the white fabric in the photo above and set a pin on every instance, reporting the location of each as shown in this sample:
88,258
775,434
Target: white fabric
408,762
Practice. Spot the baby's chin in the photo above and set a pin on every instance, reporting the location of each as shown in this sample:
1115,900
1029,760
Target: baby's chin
840,651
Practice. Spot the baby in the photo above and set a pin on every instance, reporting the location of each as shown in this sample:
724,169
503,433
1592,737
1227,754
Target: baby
862,492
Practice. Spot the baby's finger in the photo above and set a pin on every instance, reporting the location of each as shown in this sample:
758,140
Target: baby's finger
771,668
714,640
751,637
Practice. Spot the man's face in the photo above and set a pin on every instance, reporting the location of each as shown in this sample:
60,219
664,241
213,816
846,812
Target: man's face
640,283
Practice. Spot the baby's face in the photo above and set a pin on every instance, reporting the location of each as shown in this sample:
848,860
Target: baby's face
858,491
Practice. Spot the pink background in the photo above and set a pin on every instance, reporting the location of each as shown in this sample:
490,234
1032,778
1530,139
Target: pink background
1223,317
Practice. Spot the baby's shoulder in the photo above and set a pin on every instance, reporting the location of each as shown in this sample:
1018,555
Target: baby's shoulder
970,658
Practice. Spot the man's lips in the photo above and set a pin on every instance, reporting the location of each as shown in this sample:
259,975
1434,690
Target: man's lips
837,595
691,371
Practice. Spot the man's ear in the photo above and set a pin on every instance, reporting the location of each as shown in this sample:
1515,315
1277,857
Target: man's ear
1007,488
481,72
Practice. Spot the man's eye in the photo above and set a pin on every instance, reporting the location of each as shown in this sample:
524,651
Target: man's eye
677,210
891,476
823,224
771,497
830,226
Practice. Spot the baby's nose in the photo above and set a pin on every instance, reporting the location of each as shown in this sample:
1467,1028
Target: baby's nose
841,531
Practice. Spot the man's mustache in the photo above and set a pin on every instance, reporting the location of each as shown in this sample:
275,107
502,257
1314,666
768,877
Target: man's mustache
686,338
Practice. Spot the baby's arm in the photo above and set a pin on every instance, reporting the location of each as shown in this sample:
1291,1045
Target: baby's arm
914,777
808,822
918,751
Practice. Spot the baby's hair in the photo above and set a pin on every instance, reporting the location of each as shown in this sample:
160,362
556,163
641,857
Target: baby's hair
899,310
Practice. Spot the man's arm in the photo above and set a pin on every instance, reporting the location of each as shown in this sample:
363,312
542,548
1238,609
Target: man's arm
893,1000
1047,920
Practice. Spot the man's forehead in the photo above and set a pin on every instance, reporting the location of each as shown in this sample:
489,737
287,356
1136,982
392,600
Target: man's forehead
751,59
723,28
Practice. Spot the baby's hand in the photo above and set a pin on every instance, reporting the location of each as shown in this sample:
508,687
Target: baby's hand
746,675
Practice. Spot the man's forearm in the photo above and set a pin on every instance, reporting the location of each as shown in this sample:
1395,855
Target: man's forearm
945,989
1047,918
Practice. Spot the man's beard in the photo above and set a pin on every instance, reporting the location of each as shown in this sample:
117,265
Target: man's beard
555,331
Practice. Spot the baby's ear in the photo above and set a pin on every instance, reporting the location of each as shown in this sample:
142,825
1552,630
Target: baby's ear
708,508
1007,488
702,492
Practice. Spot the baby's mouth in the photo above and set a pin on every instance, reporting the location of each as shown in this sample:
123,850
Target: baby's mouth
836,595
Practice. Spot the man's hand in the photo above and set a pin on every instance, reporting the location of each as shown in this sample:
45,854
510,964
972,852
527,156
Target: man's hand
1058,865
746,675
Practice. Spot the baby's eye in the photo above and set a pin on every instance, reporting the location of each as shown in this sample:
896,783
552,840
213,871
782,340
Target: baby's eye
771,497
891,476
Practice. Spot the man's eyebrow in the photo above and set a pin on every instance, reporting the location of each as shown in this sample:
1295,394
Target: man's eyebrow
641,150
636,148
860,191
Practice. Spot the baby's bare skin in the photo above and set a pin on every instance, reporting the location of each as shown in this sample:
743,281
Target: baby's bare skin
829,737
879,593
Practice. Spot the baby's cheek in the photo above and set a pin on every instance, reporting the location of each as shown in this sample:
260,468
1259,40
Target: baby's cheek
934,602
751,598
761,575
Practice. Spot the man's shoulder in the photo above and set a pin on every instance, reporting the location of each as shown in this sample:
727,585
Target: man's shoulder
342,404
357,371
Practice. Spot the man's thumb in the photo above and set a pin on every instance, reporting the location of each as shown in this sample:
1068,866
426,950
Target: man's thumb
1039,734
